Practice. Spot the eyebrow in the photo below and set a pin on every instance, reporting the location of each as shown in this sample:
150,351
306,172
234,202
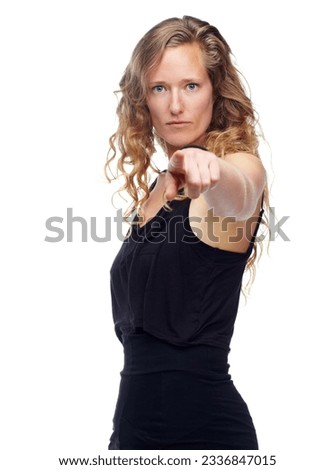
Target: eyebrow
183,81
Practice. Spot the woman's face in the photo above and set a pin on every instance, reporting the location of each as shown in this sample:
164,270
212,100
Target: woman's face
180,97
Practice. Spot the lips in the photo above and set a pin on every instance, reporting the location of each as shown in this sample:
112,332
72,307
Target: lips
178,123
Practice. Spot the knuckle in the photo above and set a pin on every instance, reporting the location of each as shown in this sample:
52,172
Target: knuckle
193,183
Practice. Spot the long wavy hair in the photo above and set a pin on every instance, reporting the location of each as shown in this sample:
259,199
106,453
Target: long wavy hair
234,126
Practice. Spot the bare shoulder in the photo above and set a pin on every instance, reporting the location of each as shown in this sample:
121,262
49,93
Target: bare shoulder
243,158
250,164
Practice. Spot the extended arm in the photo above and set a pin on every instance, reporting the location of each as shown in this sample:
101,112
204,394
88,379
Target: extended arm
231,185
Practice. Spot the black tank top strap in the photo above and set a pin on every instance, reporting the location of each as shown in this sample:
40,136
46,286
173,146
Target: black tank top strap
262,202
259,221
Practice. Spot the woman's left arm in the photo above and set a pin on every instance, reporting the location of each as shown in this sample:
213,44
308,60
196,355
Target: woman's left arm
231,185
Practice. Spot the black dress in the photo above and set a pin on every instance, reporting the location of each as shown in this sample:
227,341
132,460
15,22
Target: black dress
174,304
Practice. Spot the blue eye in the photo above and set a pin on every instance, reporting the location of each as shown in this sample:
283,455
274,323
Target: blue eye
158,89
192,86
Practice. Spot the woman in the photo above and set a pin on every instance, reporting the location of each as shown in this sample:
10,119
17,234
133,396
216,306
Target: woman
176,280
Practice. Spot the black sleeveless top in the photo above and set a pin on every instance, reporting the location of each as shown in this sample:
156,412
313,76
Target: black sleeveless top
166,282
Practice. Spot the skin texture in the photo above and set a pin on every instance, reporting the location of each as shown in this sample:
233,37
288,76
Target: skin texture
180,101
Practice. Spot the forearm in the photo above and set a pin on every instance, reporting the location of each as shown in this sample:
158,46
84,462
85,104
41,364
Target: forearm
238,190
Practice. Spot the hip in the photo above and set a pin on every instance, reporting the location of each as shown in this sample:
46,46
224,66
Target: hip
178,398
181,410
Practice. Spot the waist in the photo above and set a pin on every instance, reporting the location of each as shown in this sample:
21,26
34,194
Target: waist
144,353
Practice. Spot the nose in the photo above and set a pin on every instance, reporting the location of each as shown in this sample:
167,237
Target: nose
176,104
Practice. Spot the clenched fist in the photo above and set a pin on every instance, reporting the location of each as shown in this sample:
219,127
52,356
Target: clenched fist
195,168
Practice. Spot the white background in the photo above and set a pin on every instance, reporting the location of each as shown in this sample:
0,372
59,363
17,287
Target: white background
60,360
